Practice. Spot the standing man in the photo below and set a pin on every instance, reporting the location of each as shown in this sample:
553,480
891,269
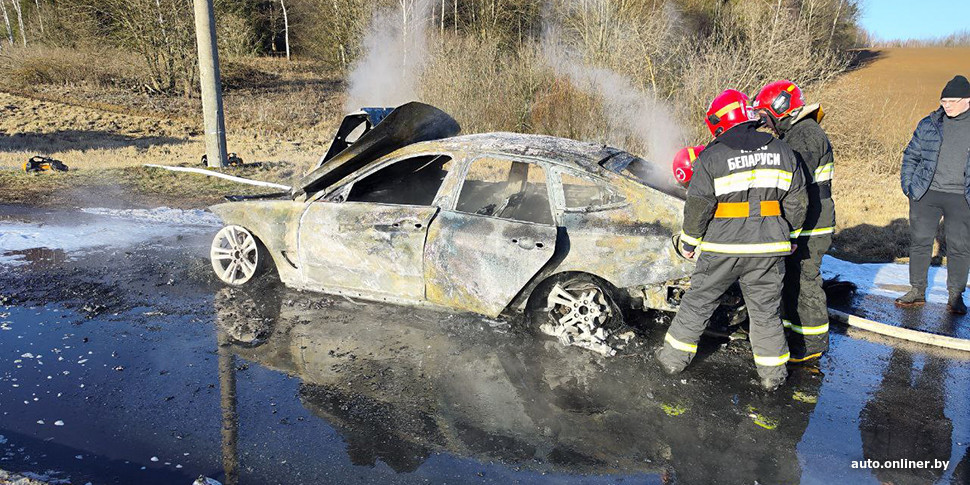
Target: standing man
936,178
805,309
746,196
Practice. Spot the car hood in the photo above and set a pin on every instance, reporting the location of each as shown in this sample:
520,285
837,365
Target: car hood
409,123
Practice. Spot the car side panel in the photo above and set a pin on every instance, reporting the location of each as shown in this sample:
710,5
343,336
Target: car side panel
480,263
630,245
374,249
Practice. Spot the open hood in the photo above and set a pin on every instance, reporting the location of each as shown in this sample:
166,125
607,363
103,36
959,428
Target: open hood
407,124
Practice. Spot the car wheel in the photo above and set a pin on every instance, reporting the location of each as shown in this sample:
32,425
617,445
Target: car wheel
573,300
237,256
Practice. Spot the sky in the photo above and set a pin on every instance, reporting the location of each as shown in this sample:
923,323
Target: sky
915,19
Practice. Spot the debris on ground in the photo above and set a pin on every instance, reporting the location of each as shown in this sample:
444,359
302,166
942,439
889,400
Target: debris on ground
39,163
581,334
675,409
232,160
760,419
15,479
204,480
584,323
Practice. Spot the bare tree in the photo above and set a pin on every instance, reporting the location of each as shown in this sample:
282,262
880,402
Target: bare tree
286,29
40,16
6,19
162,32
835,21
20,20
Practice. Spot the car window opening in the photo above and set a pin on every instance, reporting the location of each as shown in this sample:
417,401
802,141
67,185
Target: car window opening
412,181
581,193
507,190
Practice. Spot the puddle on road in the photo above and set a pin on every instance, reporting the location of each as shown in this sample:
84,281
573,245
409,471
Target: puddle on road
176,380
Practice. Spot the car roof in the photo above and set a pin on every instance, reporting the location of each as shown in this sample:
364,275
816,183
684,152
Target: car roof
563,150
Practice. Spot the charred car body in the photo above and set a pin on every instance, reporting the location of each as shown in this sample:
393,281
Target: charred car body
410,213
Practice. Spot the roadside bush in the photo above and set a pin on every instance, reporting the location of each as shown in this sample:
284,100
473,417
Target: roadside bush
485,86
29,67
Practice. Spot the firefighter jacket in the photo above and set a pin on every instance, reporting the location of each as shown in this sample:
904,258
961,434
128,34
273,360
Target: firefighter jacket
747,196
812,147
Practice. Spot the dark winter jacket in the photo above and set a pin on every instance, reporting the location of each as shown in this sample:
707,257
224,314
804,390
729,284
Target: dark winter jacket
921,155
812,147
747,196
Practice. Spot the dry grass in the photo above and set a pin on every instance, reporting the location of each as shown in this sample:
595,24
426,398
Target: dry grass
276,112
279,114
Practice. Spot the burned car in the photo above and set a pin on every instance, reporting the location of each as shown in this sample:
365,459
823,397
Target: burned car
406,211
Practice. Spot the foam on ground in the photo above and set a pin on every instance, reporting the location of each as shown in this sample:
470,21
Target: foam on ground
111,228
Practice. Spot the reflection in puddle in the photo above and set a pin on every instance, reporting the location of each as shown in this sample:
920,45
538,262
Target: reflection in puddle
39,258
400,384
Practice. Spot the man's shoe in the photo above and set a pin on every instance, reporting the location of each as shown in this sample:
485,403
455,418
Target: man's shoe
956,305
915,297
771,383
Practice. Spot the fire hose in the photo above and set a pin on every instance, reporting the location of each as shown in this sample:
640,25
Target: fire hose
211,173
900,332
873,326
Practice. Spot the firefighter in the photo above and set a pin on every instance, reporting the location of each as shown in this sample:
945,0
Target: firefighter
746,197
683,165
804,308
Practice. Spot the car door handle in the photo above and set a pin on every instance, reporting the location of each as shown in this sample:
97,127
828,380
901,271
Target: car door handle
401,224
528,243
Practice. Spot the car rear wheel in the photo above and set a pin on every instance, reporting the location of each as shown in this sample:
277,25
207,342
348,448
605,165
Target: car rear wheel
580,300
237,256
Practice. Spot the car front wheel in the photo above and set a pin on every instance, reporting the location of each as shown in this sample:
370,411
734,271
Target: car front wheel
237,256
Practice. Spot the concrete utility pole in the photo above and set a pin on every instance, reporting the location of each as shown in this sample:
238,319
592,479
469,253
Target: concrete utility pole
215,125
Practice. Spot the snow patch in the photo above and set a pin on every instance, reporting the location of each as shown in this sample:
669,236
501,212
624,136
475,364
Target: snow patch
884,279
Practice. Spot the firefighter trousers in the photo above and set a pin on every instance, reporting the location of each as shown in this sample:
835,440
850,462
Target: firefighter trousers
761,279
804,307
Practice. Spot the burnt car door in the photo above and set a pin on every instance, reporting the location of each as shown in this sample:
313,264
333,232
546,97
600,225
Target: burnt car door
369,240
499,234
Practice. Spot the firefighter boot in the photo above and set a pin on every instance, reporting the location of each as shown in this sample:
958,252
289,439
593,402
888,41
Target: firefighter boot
915,297
771,383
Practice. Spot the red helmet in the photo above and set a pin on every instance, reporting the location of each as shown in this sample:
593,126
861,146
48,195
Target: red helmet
730,108
779,98
684,163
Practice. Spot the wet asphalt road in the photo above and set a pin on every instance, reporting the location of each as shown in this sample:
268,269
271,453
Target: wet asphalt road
123,360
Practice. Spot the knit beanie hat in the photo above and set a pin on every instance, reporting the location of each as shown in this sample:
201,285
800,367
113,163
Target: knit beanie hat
958,87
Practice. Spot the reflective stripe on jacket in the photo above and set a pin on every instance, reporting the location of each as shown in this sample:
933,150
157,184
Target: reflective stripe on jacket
755,174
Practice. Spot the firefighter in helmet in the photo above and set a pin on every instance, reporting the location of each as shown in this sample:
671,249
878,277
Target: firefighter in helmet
683,165
804,307
746,196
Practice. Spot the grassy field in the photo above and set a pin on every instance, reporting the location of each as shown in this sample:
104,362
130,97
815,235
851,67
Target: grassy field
283,114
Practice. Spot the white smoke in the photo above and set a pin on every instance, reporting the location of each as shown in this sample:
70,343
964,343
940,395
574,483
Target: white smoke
631,112
395,56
